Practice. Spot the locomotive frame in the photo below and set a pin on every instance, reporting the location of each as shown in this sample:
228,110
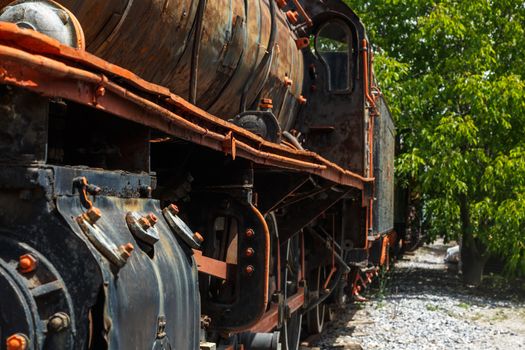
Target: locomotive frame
132,218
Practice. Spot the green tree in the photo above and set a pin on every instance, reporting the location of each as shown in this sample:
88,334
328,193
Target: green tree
453,74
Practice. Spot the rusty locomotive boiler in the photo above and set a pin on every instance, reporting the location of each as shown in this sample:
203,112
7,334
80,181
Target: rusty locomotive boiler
180,174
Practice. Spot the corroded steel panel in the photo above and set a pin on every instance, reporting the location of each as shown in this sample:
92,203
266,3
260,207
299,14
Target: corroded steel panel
155,39
384,169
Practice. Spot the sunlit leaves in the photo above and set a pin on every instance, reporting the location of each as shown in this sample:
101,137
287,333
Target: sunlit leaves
453,74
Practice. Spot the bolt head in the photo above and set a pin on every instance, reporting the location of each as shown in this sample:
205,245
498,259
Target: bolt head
27,263
173,209
152,218
266,103
249,269
249,252
292,16
144,223
250,233
17,342
126,250
302,100
93,215
58,322
101,91
198,237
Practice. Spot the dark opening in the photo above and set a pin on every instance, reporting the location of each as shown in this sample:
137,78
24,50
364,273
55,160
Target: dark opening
80,135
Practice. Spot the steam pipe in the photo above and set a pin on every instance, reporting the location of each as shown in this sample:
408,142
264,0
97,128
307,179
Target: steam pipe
266,60
196,51
366,78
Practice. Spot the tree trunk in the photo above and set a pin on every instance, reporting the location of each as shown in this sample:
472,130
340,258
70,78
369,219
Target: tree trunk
473,257
472,261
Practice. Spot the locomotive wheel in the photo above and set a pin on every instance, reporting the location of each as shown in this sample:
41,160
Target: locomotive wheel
329,314
315,318
291,329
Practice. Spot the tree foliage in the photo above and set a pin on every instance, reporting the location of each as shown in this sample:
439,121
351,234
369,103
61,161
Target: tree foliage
453,74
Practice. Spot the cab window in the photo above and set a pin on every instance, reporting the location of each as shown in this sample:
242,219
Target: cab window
333,45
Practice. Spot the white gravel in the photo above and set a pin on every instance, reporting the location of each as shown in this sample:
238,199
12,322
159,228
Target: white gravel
425,306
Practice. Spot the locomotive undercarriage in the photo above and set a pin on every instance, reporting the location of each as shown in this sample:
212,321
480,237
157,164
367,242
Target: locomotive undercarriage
132,219
273,244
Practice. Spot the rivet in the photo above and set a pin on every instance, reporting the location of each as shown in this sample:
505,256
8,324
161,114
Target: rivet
249,269
302,100
250,233
249,252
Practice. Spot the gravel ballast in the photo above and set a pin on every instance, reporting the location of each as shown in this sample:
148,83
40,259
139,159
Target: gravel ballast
424,305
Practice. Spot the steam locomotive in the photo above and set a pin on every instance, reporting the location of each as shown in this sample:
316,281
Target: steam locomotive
183,174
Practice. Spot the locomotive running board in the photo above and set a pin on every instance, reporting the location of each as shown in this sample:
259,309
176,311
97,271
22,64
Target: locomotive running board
41,64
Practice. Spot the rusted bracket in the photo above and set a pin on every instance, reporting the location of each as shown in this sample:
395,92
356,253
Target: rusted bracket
213,267
229,145
83,187
248,273
271,318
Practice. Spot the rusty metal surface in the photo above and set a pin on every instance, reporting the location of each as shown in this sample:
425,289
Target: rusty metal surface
234,40
101,300
167,271
60,278
21,129
237,268
239,300
56,79
212,267
334,123
271,318
384,149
